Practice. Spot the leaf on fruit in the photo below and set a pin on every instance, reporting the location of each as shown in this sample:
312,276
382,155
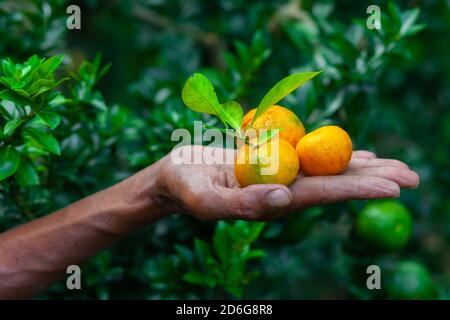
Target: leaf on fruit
282,89
232,114
265,135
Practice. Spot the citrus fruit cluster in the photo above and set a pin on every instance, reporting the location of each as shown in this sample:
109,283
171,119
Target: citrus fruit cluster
324,151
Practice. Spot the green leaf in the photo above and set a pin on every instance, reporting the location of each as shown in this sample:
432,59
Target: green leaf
254,254
14,97
254,230
334,104
8,67
44,139
415,29
184,253
40,86
408,19
26,175
9,162
202,252
232,113
52,63
282,89
198,95
195,277
266,135
11,126
395,14
236,291
222,241
50,118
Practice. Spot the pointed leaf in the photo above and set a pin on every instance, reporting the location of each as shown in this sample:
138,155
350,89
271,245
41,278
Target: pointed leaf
255,228
254,254
40,86
52,63
9,162
202,252
14,97
50,118
26,175
334,104
395,13
415,29
8,67
266,135
222,241
11,126
232,113
44,139
195,277
408,20
282,89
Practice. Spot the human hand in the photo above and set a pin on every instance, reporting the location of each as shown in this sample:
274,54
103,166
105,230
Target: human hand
211,191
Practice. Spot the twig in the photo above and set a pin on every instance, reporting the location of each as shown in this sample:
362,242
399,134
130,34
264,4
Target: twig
208,39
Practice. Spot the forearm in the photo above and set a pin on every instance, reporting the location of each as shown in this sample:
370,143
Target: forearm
35,254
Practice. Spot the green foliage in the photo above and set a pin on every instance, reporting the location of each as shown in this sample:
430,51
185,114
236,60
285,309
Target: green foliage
388,88
282,89
198,95
28,98
223,264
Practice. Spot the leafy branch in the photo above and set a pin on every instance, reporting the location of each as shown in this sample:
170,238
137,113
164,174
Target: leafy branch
223,264
199,95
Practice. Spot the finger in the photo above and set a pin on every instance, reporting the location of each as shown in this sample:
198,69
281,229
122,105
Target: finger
357,163
405,178
255,202
363,154
311,191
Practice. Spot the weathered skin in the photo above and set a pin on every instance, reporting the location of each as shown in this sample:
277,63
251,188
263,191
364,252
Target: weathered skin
36,254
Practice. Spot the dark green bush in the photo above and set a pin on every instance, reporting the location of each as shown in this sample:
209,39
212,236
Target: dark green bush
71,125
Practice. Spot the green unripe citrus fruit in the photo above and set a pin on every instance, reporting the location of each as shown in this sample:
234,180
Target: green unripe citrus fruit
385,225
410,280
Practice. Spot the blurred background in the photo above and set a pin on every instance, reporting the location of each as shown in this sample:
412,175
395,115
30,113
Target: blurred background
388,88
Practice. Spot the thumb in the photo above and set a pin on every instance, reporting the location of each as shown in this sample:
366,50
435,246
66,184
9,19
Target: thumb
257,202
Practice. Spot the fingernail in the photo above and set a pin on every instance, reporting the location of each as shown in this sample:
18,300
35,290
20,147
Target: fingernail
278,198
393,190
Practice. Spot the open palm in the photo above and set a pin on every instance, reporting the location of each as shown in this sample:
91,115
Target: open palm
211,191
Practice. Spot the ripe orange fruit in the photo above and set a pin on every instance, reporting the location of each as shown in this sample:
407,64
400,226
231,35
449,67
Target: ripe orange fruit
273,162
277,117
325,151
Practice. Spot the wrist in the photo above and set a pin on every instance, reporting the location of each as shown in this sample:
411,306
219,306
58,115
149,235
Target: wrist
145,195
